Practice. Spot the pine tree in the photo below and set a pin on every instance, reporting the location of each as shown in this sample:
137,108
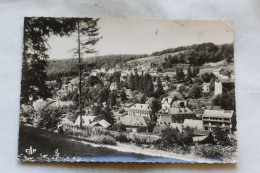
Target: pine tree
112,98
123,95
159,89
136,78
131,82
140,85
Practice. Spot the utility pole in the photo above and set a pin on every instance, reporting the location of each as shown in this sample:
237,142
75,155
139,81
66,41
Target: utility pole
80,104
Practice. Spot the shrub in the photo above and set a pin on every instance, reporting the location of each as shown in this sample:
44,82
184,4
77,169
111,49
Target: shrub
118,127
121,138
76,131
141,129
104,139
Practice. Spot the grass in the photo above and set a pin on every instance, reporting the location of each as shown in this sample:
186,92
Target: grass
47,143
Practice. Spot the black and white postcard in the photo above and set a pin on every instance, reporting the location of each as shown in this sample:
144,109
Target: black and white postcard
127,90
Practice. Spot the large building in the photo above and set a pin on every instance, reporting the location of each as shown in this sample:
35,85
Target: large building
134,122
176,115
141,110
218,118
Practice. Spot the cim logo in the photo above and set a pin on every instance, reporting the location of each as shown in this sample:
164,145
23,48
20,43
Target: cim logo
30,151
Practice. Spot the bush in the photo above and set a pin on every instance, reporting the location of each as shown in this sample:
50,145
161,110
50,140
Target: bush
141,129
104,139
118,127
76,131
121,138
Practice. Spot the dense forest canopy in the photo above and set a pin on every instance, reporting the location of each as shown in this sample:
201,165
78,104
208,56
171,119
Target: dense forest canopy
196,55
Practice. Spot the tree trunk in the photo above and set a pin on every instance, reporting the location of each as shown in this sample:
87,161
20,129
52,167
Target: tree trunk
80,104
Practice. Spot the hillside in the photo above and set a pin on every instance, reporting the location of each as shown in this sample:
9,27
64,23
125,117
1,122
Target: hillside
194,55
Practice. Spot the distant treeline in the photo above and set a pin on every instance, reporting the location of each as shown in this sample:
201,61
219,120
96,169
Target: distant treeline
69,67
196,55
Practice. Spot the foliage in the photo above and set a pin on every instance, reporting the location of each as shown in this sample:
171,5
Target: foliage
215,151
50,117
226,100
69,129
123,96
195,91
209,139
221,135
141,129
121,137
104,139
36,32
119,127
198,54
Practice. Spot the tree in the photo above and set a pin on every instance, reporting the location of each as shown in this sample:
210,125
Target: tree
112,98
131,82
87,32
159,90
206,77
195,91
142,99
167,78
155,106
123,96
189,76
108,115
221,135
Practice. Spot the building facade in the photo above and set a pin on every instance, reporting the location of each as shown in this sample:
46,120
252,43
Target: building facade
140,110
218,118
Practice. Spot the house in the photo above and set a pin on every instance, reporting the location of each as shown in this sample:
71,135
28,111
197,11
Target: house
221,84
113,86
218,118
205,87
176,115
198,124
167,103
177,126
180,103
141,110
102,124
134,121
87,120
68,87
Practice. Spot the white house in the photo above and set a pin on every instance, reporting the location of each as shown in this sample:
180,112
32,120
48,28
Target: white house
141,110
218,87
167,103
87,120
113,86
205,87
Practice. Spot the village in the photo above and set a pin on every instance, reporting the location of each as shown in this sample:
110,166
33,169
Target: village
149,107
176,101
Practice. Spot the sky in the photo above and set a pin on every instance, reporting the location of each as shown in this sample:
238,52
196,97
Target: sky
145,36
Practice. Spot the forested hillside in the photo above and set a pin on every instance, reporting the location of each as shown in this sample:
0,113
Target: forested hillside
196,55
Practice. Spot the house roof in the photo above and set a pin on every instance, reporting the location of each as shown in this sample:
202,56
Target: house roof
102,123
218,113
145,107
193,123
180,111
165,118
169,100
176,125
134,120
